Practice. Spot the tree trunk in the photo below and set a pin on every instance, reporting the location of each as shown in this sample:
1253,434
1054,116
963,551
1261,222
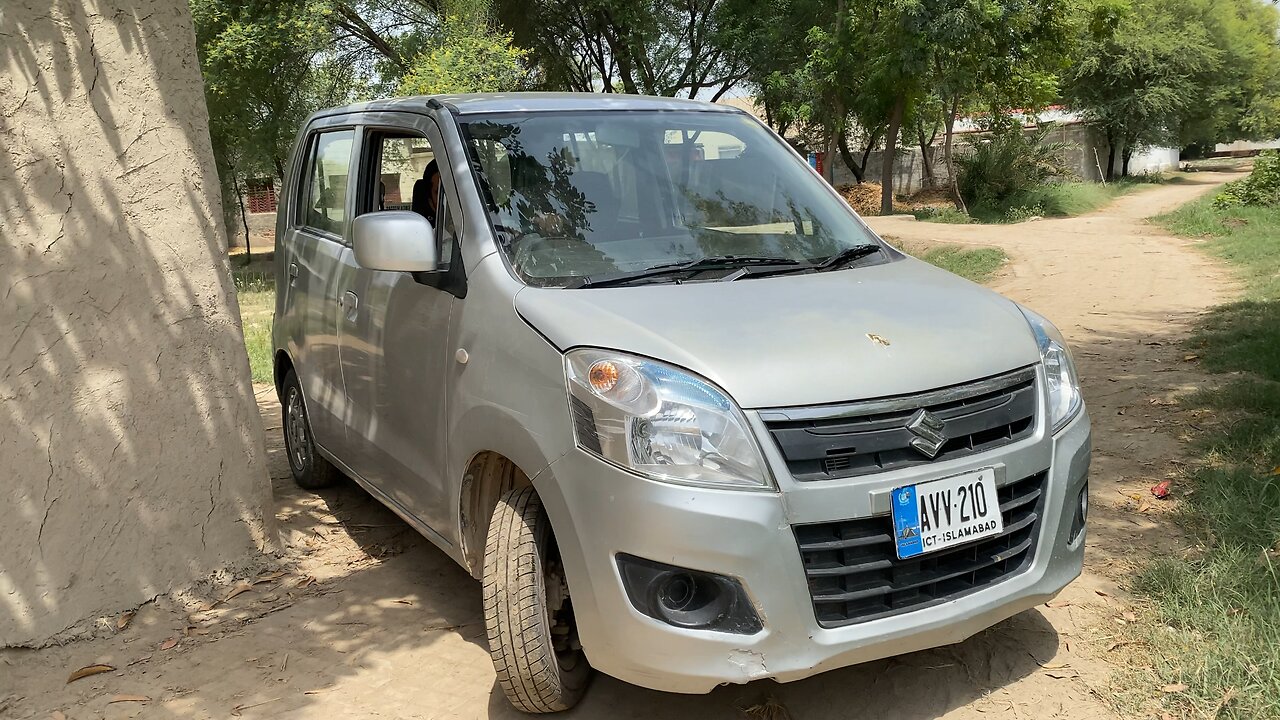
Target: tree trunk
847,156
953,178
835,125
244,218
873,138
131,443
890,152
926,165
828,155
1111,157
1125,156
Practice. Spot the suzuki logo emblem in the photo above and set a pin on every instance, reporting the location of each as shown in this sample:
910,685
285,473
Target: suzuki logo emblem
930,432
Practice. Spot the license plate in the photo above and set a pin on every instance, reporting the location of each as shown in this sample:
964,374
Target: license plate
943,513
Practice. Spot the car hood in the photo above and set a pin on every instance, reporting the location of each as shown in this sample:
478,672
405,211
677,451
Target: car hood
890,329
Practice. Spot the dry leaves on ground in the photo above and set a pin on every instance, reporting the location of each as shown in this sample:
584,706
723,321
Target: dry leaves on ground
770,709
128,698
88,670
864,198
241,708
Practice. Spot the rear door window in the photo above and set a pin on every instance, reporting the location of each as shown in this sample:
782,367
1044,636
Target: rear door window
323,204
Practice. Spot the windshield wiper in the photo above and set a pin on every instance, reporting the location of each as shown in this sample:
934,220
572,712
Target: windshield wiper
846,256
835,262
715,262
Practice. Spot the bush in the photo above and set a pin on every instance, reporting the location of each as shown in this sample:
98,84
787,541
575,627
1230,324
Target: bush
1011,163
1022,213
942,215
1261,188
1067,199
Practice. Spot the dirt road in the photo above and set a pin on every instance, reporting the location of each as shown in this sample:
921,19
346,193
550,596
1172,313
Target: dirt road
369,620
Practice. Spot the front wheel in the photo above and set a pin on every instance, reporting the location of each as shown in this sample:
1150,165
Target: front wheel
533,639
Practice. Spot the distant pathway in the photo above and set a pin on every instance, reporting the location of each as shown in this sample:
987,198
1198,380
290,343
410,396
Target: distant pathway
1126,295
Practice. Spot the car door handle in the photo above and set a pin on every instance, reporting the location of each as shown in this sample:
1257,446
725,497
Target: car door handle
293,273
349,301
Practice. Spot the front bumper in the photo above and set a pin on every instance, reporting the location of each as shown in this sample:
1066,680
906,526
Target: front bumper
599,511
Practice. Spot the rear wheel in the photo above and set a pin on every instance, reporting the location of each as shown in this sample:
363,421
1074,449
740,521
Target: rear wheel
310,471
533,639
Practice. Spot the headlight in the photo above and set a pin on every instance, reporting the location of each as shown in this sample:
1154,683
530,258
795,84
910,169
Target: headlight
1059,370
660,422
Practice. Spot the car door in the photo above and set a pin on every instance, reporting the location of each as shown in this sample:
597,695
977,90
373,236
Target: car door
318,263
394,347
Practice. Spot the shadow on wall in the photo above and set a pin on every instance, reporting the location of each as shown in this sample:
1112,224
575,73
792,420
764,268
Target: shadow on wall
129,439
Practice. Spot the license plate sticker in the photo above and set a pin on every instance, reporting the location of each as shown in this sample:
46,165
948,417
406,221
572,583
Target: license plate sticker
944,513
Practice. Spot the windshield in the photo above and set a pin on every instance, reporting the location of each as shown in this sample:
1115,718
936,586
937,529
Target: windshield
594,194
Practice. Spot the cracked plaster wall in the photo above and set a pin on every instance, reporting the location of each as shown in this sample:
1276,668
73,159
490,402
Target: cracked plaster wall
131,455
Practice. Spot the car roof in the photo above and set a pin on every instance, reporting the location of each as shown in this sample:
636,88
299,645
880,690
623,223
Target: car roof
477,103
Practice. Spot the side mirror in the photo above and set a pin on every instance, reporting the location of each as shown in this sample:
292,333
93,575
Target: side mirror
396,241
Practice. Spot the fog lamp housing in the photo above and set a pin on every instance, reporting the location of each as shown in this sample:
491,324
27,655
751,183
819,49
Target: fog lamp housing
689,599
1081,514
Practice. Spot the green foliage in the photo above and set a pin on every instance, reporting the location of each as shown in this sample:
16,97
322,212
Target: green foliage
1218,610
1247,237
1009,164
1135,72
1052,199
256,292
1178,72
947,215
837,70
1261,188
1022,213
976,264
263,74
652,47
469,58
1068,199
265,69
1238,97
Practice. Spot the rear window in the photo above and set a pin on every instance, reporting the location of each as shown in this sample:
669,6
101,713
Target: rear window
324,198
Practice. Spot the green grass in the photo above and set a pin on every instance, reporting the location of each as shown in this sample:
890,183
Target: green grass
976,264
947,215
255,289
1218,608
1246,237
1066,199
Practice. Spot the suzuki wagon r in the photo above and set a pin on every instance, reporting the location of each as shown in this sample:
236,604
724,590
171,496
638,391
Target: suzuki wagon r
638,369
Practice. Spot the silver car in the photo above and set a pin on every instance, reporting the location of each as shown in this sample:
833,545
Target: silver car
638,369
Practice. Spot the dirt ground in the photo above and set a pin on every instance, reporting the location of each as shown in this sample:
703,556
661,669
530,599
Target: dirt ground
364,619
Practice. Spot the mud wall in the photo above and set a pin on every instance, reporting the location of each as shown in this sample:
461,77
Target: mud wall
131,456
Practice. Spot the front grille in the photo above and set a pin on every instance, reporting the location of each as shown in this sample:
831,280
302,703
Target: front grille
822,442
855,575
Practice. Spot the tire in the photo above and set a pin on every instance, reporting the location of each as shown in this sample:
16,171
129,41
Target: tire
310,471
539,674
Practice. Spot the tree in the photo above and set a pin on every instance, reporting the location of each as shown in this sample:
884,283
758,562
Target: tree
469,56
1238,96
993,56
131,442
861,70
650,47
1135,75
265,69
